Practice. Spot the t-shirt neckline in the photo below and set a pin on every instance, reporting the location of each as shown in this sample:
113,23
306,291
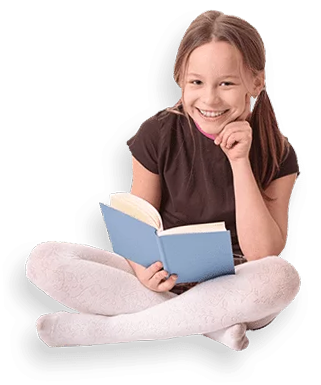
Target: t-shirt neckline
211,136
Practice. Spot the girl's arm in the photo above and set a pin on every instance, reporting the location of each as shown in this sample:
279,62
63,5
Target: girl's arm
261,226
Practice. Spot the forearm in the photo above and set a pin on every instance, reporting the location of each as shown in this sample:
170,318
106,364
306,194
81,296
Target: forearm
258,233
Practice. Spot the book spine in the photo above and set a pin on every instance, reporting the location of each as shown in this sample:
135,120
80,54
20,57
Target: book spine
161,251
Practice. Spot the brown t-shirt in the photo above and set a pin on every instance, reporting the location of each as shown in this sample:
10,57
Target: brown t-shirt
165,147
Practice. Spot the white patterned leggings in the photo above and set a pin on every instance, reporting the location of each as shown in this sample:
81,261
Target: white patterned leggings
115,307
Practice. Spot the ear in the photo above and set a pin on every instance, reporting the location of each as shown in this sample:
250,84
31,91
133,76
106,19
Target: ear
258,84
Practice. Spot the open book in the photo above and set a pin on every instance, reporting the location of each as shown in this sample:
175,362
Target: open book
195,253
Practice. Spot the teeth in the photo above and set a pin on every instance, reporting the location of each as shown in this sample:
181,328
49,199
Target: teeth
212,114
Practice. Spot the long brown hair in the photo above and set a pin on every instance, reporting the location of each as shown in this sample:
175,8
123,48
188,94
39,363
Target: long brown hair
269,146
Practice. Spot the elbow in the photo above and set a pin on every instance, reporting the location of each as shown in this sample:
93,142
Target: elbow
268,251
277,248
255,249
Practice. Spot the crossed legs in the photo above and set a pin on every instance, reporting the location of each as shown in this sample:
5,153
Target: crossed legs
115,307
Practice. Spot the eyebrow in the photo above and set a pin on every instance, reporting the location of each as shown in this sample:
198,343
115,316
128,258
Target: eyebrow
224,76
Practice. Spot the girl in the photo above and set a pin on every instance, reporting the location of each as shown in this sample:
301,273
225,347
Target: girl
242,171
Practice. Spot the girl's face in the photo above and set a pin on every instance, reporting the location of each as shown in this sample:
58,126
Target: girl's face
214,84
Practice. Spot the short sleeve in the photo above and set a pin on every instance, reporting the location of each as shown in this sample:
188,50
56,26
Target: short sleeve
145,143
289,165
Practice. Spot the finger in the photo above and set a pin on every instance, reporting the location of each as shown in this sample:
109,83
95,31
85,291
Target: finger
152,269
168,284
222,137
218,138
158,277
227,134
234,138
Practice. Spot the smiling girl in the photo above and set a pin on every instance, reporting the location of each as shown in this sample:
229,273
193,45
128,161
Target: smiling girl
207,159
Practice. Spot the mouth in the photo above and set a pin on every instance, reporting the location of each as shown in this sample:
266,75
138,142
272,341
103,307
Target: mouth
211,116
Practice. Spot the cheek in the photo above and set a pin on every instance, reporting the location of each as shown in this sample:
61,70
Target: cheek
238,100
187,96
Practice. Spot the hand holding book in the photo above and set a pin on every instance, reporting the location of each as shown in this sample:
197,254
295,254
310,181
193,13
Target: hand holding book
195,253
154,277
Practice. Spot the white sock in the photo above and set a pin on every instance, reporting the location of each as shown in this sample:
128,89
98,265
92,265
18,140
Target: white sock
234,336
54,328
68,274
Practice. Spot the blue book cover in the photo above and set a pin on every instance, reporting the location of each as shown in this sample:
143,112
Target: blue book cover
193,256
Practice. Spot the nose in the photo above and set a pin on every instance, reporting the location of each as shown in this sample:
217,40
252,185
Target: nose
211,97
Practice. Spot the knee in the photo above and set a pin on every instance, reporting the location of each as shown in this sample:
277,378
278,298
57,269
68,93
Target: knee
291,276
274,278
288,271
39,258
284,277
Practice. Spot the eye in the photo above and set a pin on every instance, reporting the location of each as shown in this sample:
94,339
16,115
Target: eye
227,83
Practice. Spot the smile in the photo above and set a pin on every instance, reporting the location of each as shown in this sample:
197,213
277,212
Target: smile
211,115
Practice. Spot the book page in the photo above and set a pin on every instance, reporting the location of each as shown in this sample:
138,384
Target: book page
199,228
137,208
